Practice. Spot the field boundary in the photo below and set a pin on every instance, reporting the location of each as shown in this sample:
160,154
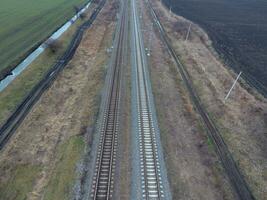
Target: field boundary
13,122
233,65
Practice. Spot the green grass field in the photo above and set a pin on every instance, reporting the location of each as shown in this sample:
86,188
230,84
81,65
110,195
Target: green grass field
25,23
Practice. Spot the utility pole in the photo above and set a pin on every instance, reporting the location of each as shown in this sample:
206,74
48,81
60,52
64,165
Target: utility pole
188,31
149,40
170,13
232,87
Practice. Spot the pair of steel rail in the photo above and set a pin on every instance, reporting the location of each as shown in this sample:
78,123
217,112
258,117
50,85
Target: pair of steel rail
150,171
103,179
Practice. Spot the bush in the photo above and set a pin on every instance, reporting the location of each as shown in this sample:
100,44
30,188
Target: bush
83,16
76,9
54,45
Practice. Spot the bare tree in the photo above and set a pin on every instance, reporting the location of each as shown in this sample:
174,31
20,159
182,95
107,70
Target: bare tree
76,9
83,16
54,45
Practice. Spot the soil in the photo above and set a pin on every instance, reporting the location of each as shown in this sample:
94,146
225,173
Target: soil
238,31
242,119
69,107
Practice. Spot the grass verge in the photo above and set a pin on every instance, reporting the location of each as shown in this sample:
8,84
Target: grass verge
63,176
20,183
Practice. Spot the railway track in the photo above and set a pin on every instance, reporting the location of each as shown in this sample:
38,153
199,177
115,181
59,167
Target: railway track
151,173
235,176
12,123
103,179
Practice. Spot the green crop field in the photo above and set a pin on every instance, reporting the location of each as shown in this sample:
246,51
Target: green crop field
25,23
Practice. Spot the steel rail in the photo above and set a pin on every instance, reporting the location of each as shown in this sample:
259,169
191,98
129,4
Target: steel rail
150,168
13,122
144,138
235,176
151,138
105,164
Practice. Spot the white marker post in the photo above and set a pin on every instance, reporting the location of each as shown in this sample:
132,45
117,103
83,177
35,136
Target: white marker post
170,13
188,31
149,40
232,87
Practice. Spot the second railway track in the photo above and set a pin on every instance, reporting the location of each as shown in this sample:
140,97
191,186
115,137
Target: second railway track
150,164
103,178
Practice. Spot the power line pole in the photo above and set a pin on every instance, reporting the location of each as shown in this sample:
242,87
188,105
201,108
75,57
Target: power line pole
232,87
188,31
170,13
149,40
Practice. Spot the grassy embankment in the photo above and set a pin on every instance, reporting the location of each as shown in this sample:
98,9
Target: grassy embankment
24,24
61,183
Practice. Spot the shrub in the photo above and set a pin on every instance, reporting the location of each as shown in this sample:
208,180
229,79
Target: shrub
83,16
53,45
